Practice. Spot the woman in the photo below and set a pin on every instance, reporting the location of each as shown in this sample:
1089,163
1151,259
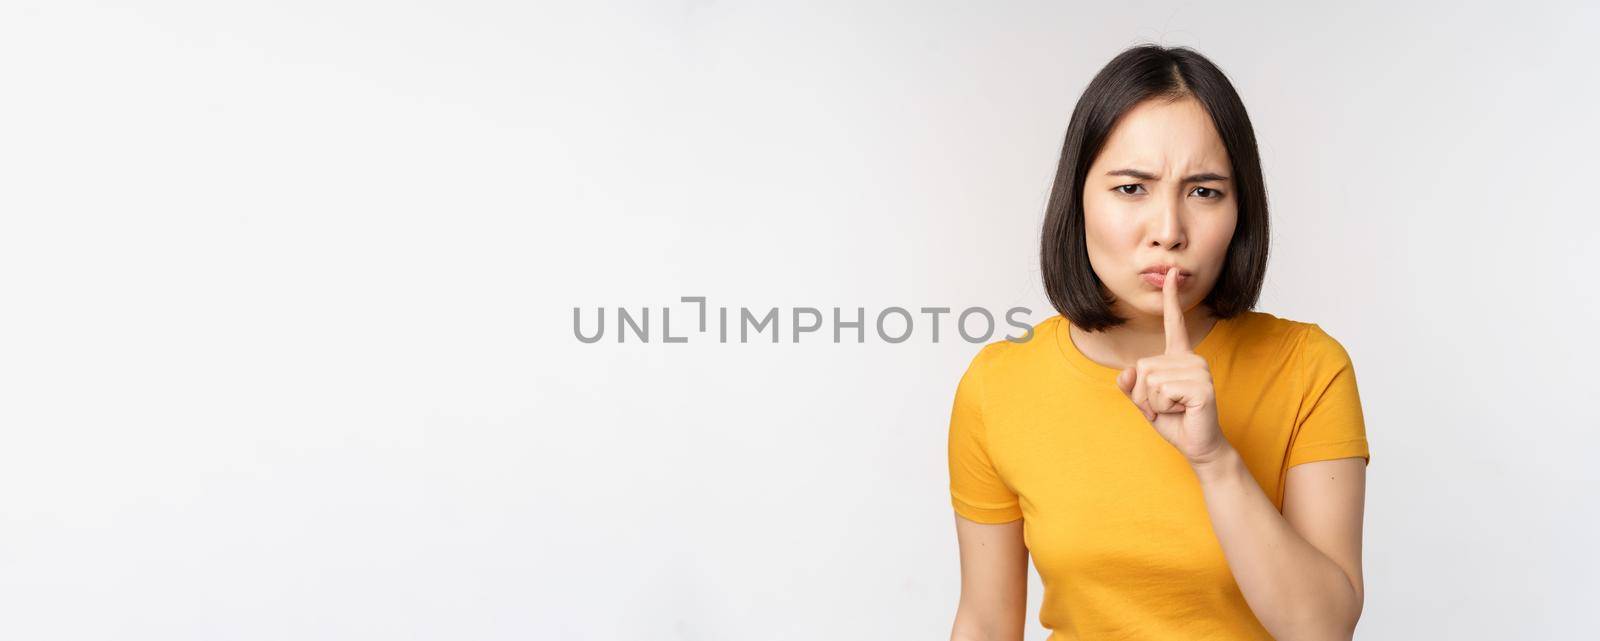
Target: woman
1177,465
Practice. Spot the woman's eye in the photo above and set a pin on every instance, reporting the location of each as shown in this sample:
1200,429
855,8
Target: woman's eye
1131,190
1207,192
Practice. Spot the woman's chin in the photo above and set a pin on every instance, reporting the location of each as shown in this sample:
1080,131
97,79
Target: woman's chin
1143,305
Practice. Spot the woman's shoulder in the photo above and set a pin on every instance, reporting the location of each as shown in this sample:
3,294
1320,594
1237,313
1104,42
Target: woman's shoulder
1014,352
1297,338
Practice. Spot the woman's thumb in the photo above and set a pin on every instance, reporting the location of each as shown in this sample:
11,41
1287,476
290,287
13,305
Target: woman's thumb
1126,380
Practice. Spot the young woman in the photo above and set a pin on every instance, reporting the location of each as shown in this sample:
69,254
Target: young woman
1177,465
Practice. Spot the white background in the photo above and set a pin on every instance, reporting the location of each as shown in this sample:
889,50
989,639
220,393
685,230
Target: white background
286,296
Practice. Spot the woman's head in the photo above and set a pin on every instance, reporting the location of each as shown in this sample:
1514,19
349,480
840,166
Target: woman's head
1159,168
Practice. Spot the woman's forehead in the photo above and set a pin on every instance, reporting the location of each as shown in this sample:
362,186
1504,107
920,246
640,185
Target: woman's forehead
1157,135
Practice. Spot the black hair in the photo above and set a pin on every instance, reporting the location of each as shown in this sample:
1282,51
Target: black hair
1135,75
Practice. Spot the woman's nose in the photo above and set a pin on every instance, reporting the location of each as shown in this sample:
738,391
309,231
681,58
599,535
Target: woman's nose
1166,229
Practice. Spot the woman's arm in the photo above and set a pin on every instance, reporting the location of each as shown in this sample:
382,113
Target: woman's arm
1300,571
994,581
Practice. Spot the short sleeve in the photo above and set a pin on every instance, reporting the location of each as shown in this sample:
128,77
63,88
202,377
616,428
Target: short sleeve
976,490
1330,423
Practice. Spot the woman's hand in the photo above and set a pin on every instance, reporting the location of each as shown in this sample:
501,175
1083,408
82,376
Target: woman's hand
1174,391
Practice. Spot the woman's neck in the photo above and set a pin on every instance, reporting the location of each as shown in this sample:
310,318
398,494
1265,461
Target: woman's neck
1141,336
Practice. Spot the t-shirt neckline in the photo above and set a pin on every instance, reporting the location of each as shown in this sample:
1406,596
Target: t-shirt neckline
1103,373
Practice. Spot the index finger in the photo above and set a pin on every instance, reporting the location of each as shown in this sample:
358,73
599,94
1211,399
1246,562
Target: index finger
1177,332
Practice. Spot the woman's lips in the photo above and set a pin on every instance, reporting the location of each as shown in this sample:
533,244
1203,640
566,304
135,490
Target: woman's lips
1158,279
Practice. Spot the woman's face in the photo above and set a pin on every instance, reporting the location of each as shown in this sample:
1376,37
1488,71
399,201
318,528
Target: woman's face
1160,193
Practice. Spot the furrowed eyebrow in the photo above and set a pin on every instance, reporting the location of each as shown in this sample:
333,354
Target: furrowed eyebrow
1141,175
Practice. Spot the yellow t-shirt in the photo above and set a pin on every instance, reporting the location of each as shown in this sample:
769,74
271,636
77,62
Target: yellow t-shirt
1113,516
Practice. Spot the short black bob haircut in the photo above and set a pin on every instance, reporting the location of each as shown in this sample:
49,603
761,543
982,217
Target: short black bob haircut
1135,75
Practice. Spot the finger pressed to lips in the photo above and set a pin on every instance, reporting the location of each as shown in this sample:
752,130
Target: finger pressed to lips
1172,312
1139,384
